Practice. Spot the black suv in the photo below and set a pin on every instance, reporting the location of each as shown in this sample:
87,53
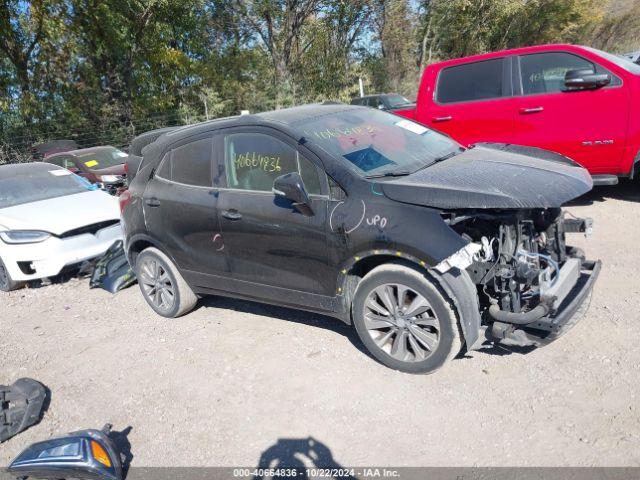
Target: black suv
378,221
384,101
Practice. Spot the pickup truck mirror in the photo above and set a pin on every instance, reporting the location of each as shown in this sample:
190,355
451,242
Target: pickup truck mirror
291,187
576,80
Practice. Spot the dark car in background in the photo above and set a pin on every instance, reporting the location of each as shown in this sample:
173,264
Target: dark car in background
376,220
103,166
43,150
634,57
136,147
390,102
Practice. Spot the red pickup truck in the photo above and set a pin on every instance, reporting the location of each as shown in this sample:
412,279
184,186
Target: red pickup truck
577,101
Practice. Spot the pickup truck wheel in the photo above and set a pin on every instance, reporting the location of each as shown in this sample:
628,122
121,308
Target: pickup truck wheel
6,283
404,320
162,285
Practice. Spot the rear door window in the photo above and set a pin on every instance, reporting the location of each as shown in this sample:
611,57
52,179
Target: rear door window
471,82
255,160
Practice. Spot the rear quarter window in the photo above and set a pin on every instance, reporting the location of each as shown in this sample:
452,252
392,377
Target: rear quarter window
471,82
189,164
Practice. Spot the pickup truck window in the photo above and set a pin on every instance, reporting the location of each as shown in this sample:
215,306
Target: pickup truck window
472,81
545,72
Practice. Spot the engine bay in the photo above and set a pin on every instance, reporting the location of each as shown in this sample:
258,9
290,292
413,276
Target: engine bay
523,268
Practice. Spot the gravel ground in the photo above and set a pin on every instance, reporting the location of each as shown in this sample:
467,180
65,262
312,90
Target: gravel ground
225,383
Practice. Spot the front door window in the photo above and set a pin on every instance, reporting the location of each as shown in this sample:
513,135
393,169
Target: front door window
255,160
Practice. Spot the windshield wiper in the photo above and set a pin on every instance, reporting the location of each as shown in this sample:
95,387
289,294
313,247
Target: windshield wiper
389,174
441,159
446,157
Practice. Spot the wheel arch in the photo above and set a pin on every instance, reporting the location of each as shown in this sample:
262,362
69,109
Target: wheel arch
138,243
455,285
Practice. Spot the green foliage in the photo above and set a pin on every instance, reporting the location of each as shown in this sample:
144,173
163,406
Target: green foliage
457,28
102,71
619,32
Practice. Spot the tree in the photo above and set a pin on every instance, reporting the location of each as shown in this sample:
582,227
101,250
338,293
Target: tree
327,67
395,32
456,28
279,24
22,28
618,33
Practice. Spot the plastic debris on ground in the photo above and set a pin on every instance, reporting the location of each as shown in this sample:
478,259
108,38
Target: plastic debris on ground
112,271
21,406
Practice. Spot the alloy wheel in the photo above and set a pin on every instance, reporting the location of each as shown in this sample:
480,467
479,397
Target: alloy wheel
401,322
156,284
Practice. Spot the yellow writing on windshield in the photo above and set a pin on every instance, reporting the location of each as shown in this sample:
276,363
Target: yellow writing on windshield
256,160
91,163
344,132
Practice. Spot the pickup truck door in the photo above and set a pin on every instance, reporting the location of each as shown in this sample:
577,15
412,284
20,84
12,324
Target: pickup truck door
471,102
587,126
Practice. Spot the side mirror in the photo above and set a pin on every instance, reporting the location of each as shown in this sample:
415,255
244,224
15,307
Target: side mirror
87,454
585,80
291,187
381,107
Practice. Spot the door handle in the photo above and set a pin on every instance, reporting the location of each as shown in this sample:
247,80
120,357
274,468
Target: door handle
527,111
152,202
231,214
448,118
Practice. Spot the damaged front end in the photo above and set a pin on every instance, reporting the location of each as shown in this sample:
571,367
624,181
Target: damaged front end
531,285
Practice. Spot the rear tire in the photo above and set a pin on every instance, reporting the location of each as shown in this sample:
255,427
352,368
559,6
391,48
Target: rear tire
162,285
405,322
7,284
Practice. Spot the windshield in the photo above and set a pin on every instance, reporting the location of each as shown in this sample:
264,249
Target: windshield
376,142
396,101
37,185
102,158
622,62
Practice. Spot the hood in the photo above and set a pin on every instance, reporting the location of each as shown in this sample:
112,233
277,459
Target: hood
114,170
490,177
62,214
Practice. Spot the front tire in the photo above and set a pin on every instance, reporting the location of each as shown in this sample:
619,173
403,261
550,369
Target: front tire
7,284
405,322
162,285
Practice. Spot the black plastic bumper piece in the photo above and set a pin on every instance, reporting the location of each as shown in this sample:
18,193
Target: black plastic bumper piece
21,406
571,311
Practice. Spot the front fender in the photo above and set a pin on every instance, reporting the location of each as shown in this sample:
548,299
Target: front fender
458,285
373,223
